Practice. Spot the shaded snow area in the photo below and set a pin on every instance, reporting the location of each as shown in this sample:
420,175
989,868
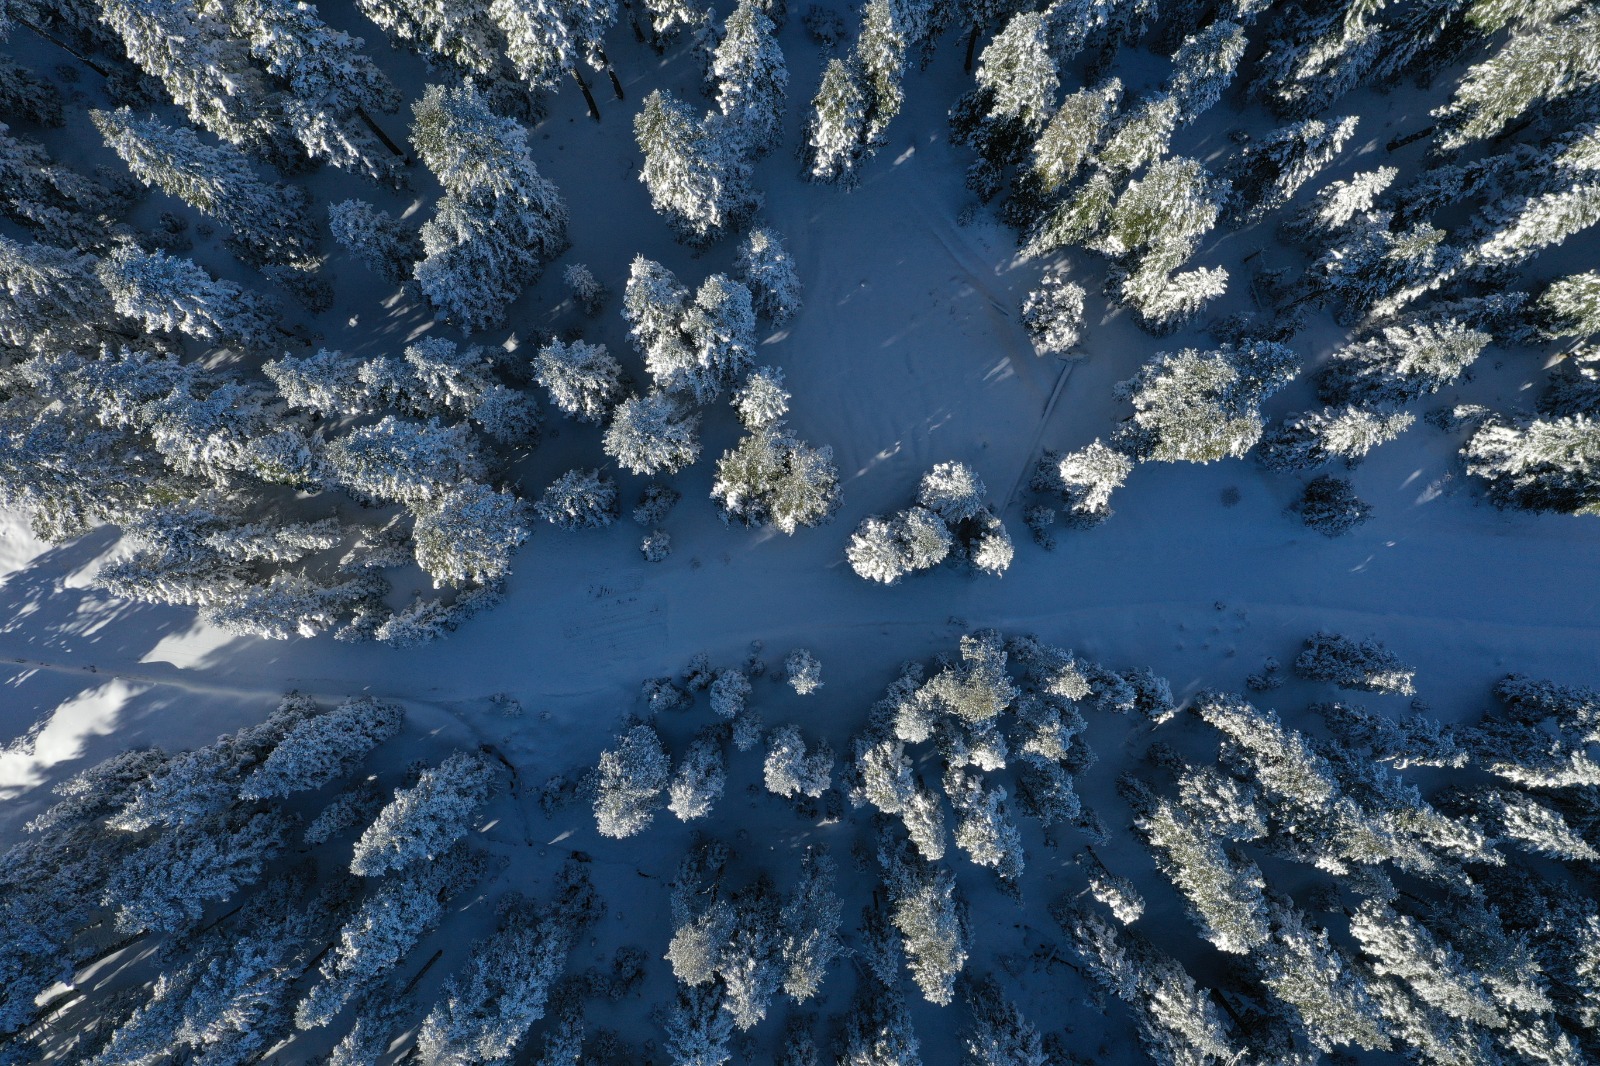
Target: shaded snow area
1224,764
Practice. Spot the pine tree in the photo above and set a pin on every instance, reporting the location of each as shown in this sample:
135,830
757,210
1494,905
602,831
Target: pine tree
1525,226
423,821
810,922
835,138
1544,64
878,1030
27,97
584,380
545,41
1339,204
585,288
768,269
1399,364
383,244
751,77
52,297
467,536
60,206
1268,173
203,67
1085,480
998,1034
699,1027
1570,307
1067,143
382,931
1303,441
171,295
1363,665
789,771
697,175
330,83
772,476
485,1011
456,31
1330,506
926,911
1141,136
629,782
1224,896
1198,406
499,220
1541,465
1203,68
409,462
267,221
579,499
803,672
1318,982
984,829
1019,73
698,782
324,748
762,401
653,433
1053,314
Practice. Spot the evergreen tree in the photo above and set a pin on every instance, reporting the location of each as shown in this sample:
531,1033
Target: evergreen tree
1141,136
629,782
1198,406
1303,441
323,748
698,782
803,672
52,297
545,41
925,910
1570,307
383,244
424,821
835,139
789,771
579,499
499,220
772,476
267,221
408,462
1318,982
653,433
1268,173
1053,314
1019,73
699,1027
1401,363
459,32
878,1030
1085,480
1543,64
467,536
1525,226
697,175
810,922
1067,143
1541,465
751,77
768,269
1364,665
1330,506
1204,66
1337,205
762,401
998,1034
1224,895
984,829
171,295
584,380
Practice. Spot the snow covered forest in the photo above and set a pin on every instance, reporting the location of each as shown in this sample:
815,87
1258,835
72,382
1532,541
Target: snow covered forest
913,531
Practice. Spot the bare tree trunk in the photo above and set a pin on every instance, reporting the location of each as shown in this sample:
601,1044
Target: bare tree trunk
972,47
633,20
588,97
616,85
422,972
377,132
1401,142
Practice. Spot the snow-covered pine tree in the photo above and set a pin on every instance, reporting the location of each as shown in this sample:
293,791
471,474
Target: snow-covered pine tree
1330,506
751,77
698,782
655,433
546,41
1268,172
383,244
408,462
997,1033
1338,204
1224,896
762,401
771,476
331,84
267,221
1204,66
1053,313
768,269
1398,364
467,536
423,822
584,380
1540,465
1019,73
931,919
202,65
789,771
1364,665
810,920
1193,406
1320,983
834,143
323,748
169,294
458,32
485,1011
382,932
53,298
629,782
1085,480
579,499
1306,440
499,221
695,169
1541,64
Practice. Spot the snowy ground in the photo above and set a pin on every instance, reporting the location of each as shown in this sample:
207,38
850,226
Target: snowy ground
908,352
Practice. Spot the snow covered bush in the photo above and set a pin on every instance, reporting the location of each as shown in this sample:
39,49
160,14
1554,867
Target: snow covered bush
584,380
1053,314
579,499
1364,665
1330,506
803,672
